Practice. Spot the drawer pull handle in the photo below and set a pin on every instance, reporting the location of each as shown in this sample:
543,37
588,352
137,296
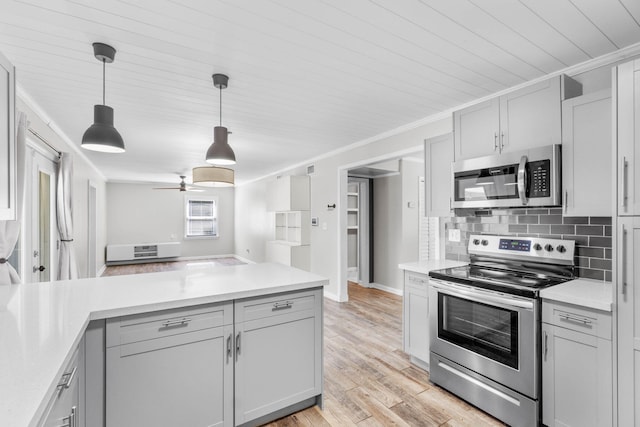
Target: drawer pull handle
229,347
282,305
580,320
70,421
237,345
179,322
67,378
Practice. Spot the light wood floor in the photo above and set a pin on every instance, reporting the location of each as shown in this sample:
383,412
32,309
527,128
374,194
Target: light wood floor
368,380
152,267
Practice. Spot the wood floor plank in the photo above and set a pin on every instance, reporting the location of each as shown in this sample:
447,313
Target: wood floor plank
377,410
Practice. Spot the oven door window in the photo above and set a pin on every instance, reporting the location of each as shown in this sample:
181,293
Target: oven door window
487,184
484,329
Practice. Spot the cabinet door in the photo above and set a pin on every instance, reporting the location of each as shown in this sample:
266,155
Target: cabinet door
278,362
7,141
476,130
576,378
176,380
438,156
416,316
64,409
530,117
627,280
627,99
586,155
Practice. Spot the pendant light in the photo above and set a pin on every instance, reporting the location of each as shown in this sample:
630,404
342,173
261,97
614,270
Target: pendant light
220,153
213,176
101,135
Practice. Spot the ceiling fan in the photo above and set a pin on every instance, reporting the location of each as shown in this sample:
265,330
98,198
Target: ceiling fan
182,187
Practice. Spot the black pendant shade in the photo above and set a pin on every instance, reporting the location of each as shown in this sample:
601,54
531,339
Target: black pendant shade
220,152
101,135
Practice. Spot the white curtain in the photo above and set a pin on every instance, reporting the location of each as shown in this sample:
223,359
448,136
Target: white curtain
67,268
10,230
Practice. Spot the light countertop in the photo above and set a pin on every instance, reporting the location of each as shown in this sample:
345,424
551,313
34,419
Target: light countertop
42,323
425,267
582,292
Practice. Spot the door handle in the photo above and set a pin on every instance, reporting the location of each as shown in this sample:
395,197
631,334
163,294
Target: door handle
501,141
495,141
546,344
625,170
522,179
40,268
229,350
566,201
237,345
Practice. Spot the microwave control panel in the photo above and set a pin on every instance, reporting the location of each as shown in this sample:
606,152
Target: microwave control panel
539,178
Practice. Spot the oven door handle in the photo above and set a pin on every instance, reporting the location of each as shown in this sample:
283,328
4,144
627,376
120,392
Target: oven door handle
482,297
522,179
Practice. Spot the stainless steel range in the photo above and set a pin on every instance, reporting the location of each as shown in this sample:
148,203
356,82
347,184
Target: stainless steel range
485,323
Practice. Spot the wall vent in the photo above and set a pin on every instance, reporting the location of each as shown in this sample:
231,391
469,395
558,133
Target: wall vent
311,169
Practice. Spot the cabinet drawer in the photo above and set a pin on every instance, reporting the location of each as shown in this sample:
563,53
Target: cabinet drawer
147,326
576,318
276,305
416,279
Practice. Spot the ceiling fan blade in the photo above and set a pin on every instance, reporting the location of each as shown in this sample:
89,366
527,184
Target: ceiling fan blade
166,188
194,189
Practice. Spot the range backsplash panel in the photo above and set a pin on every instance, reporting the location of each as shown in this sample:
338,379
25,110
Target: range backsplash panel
592,234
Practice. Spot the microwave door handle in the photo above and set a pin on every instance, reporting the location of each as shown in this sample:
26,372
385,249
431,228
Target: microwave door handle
522,179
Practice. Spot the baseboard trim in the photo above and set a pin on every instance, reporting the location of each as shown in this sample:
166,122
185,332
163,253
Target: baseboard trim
101,270
384,288
201,257
332,296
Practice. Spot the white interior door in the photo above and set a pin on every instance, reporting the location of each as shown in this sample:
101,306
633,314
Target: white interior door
44,236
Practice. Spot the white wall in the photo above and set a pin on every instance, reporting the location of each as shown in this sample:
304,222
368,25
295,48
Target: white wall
83,172
138,214
326,238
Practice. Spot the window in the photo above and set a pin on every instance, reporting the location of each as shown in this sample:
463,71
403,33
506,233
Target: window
201,217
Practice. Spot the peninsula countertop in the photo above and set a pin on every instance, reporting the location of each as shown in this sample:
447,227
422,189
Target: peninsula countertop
42,323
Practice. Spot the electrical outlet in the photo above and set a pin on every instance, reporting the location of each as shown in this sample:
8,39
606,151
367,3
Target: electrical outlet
454,235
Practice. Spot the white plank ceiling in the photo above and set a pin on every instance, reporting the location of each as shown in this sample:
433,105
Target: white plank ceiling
306,77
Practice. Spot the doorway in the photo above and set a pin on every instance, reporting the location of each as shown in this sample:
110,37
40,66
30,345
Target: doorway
92,235
41,243
386,247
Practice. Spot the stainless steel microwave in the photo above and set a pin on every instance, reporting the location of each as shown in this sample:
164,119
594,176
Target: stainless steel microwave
524,178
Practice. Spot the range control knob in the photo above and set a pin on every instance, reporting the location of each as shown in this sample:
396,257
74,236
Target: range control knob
537,246
548,248
561,249
476,242
485,242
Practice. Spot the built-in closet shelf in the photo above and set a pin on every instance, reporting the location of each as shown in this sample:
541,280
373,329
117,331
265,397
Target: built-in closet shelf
352,194
352,210
292,227
352,227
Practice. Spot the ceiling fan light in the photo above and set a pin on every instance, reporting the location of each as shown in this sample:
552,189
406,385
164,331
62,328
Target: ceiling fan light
220,152
101,135
213,176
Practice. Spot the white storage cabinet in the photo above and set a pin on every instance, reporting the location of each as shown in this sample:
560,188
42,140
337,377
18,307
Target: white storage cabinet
586,155
278,351
7,140
577,373
171,368
519,120
289,193
415,316
438,156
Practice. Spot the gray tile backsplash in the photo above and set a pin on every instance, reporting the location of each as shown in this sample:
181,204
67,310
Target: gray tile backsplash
592,234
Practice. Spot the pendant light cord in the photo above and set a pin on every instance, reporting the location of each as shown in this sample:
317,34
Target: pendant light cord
103,82
220,105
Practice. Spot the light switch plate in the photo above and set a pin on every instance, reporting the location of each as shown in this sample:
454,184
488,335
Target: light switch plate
454,235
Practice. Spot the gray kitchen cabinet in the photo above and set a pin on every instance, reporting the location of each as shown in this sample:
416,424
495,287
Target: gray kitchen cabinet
626,280
278,352
626,90
438,156
415,316
577,370
64,409
518,120
586,155
7,140
170,368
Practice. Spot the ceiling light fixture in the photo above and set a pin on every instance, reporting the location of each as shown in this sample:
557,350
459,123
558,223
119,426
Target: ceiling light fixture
220,153
213,176
101,135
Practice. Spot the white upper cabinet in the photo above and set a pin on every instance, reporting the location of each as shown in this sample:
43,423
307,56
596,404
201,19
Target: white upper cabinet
438,156
519,120
627,102
289,193
7,140
586,155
